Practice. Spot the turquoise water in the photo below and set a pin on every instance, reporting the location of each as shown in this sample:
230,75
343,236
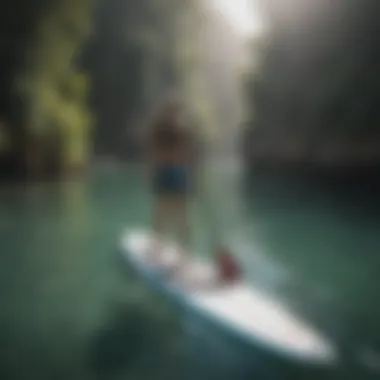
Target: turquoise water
70,310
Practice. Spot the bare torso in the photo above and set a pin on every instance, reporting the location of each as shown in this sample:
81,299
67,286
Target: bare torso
171,146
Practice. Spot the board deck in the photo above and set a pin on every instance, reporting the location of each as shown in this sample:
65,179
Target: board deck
240,308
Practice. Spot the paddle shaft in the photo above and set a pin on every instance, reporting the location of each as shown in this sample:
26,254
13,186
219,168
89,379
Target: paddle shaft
207,204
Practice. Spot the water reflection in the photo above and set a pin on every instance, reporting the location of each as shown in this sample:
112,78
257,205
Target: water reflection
60,281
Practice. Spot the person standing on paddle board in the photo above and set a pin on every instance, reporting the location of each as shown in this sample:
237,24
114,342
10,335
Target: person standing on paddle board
173,159
171,174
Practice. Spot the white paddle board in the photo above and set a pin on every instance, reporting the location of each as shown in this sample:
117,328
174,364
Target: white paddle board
239,308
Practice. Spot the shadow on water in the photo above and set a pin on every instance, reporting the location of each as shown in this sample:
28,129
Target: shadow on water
116,347
137,343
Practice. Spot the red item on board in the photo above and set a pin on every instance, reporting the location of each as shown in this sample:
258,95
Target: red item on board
228,268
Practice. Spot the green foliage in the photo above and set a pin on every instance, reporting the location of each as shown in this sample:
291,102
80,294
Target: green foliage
54,91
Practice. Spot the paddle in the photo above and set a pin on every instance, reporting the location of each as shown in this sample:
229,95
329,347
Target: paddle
227,267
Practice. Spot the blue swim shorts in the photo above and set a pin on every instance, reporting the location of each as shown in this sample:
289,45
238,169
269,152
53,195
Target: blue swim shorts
171,179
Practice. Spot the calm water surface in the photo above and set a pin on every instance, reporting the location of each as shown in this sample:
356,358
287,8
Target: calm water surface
69,310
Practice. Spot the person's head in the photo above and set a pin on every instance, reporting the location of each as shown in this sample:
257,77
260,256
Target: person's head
171,113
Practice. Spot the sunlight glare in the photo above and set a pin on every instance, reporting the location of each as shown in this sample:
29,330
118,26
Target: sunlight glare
244,15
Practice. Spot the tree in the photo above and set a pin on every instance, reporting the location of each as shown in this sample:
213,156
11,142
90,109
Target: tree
53,90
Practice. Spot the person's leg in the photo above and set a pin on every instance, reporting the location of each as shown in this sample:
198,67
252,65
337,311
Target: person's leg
171,207
181,218
160,212
161,216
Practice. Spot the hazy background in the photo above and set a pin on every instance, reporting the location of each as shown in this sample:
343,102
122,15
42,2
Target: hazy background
284,94
79,78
